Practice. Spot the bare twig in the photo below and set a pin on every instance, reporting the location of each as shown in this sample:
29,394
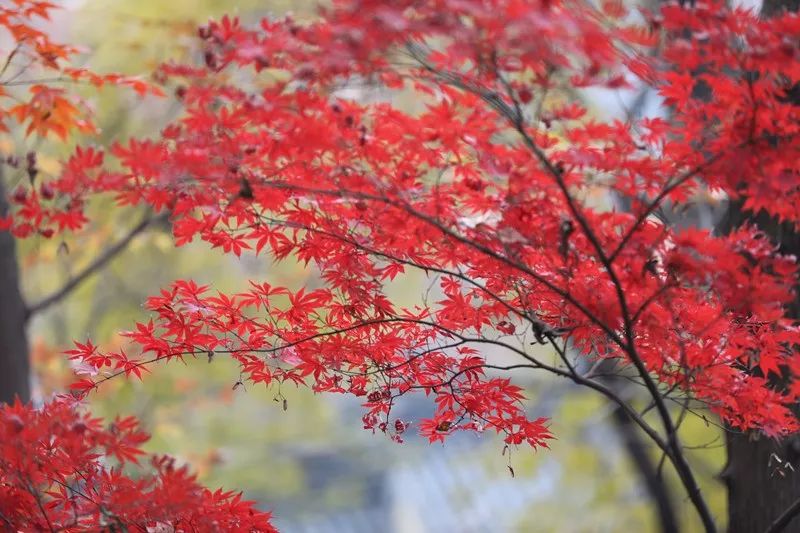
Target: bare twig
785,518
100,261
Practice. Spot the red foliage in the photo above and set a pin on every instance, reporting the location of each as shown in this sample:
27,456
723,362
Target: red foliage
481,187
35,61
365,191
30,96
60,469
56,475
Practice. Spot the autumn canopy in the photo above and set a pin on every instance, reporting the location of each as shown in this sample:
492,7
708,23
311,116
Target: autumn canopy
488,186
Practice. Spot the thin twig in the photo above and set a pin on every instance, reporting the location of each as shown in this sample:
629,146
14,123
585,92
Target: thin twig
104,258
785,518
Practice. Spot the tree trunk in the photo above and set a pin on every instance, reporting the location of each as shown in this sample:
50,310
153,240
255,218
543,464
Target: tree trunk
14,365
760,484
762,475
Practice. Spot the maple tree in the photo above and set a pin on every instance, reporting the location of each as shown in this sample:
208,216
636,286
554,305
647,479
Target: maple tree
61,469
485,189
38,97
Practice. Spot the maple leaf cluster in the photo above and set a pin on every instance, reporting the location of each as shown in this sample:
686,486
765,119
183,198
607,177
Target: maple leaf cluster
35,76
482,188
61,469
36,61
56,474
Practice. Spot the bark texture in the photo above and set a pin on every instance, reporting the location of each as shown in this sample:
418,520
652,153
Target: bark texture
760,485
14,365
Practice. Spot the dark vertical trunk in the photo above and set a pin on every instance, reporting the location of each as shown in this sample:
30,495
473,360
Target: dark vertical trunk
14,366
760,485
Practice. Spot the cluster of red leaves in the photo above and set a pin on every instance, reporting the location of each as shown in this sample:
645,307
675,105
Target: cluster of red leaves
56,475
365,191
365,348
482,189
746,119
35,56
35,75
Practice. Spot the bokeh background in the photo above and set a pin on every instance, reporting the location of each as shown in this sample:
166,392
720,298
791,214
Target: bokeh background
312,464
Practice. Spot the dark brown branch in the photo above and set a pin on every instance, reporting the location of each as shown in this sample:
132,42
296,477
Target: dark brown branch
785,518
655,484
100,261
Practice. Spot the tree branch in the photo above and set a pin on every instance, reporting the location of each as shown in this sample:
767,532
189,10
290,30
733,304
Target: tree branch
516,119
785,518
656,486
100,261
